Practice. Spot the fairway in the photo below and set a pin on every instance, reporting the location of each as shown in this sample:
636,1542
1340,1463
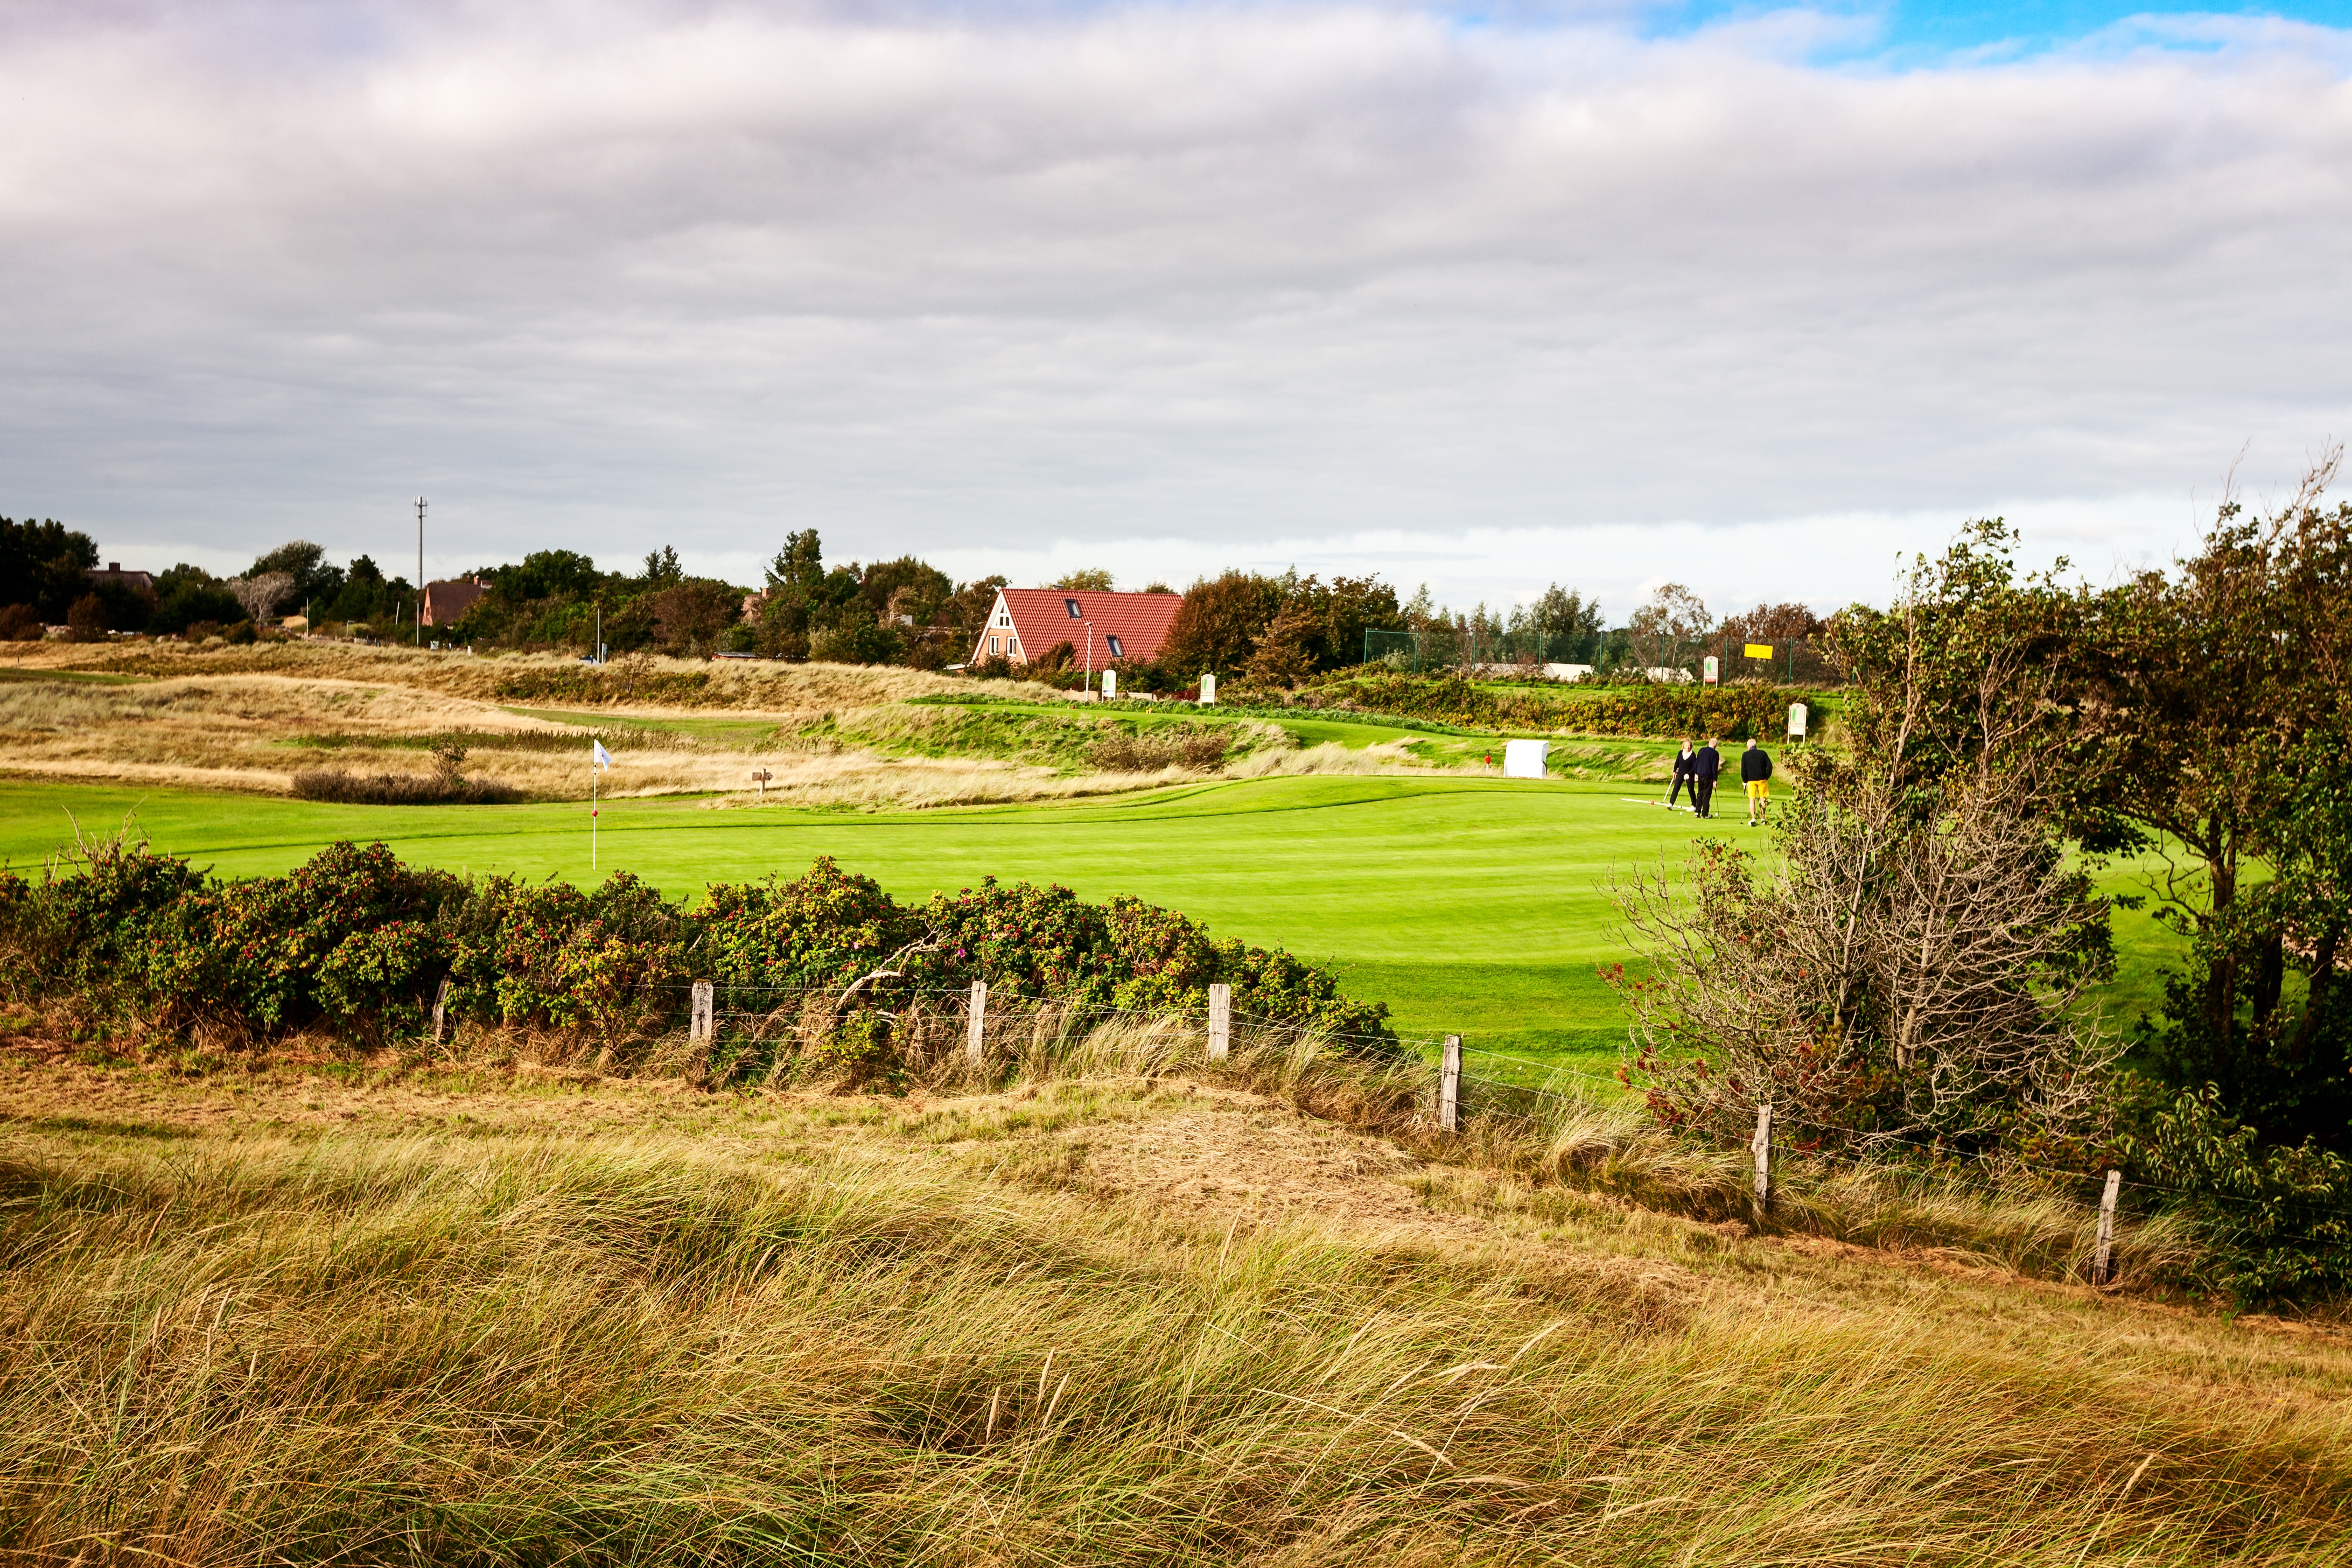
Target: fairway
1473,906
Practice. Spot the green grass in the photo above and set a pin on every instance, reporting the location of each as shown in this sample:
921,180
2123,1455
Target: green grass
10,675
1471,906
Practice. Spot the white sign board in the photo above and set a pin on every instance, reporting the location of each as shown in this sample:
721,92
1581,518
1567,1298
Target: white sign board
1524,759
1208,688
1796,721
1110,683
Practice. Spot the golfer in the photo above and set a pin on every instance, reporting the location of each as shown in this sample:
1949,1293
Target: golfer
1683,780
1705,766
1756,773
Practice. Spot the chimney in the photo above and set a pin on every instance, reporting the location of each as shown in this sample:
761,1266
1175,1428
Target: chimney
114,566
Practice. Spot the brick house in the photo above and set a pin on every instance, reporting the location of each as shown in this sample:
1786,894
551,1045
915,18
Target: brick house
1024,623
445,604
115,577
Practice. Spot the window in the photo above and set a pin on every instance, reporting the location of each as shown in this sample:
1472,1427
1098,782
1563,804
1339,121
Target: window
993,646
1012,646
1071,605
1004,617
1115,650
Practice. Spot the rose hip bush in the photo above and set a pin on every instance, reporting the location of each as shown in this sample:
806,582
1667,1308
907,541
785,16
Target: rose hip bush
357,943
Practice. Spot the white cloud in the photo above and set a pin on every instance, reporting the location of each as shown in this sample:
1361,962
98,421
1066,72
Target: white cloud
1164,286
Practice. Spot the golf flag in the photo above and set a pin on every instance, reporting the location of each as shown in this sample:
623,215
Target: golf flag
598,757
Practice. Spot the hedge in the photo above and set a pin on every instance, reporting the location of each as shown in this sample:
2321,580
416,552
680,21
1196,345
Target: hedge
1730,712
357,943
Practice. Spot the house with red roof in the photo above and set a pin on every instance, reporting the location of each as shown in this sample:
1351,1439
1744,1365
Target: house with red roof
445,604
1024,623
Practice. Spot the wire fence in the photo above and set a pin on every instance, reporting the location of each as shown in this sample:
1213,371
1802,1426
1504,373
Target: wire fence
985,1031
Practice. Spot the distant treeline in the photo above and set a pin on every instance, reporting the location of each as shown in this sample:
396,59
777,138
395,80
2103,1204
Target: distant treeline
1275,631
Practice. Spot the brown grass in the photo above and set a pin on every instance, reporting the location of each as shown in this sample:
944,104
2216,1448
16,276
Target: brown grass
421,1312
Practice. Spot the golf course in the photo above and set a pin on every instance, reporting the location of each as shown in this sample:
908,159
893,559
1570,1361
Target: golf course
1469,904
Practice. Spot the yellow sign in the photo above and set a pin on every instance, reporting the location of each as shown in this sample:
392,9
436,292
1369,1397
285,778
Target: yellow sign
1759,650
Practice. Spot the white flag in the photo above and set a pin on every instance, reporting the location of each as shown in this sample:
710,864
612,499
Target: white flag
601,758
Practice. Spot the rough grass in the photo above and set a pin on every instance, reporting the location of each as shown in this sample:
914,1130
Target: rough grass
430,1315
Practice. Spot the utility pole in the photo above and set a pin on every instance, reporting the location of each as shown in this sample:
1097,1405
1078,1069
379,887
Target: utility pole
420,571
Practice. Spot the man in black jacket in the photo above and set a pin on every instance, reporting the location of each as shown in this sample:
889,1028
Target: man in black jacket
1756,773
1705,763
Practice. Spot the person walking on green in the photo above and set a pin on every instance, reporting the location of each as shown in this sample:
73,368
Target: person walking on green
1756,773
1705,766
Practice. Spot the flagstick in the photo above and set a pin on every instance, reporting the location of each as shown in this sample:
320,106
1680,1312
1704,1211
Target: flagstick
592,816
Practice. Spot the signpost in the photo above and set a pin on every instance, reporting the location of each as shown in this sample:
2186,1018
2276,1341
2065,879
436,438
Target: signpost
1710,677
1796,721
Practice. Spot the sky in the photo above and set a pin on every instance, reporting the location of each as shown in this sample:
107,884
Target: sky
1598,292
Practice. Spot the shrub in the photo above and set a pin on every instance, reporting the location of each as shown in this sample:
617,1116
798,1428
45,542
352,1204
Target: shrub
550,955
346,788
347,938
1204,750
2276,1218
1732,712
622,681
21,623
356,941
86,621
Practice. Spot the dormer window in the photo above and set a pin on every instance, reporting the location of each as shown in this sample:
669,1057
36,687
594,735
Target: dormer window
1115,650
1071,605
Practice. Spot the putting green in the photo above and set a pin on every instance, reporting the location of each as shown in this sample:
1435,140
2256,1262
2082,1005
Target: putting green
1478,906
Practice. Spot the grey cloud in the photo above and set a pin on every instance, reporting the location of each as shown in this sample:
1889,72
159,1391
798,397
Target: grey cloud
1096,281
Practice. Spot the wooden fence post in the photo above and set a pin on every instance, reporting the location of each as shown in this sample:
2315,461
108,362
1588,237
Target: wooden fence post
1762,1147
441,1013
1449,1086
975,1025
2103,1258
1221,1021
701,1028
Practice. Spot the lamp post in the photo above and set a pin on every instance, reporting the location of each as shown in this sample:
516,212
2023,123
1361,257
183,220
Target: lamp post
420,571
1090,661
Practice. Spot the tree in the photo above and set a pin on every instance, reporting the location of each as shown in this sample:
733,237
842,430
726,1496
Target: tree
2214,715
1915,966
662,569
1281,657
259,597
189,596
1781,623
316,580
905,587
1216,629
1334,619
546,575
85,619
1668,627
43,564
799,565
1090,580
1561,626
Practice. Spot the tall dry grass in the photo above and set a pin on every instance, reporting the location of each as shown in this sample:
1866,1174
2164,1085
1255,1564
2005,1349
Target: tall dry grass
536,1351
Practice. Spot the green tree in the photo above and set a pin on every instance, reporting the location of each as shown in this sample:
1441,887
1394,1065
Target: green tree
1216,629
2215,715
317,581
1090,580
42,565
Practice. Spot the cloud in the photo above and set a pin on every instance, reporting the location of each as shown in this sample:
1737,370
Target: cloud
1156,284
